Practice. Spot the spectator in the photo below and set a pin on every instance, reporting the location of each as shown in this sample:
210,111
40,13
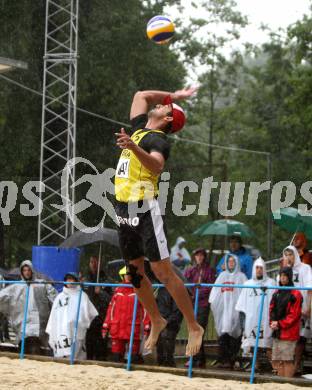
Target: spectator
223,301
179,255
166,342
201,272
41,297
93,271
4,326
96,345
302,277
91,276
100,297
61,325
300,243
249,306
118,321
285,314
245,260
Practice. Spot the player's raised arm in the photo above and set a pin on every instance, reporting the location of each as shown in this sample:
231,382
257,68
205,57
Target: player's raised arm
143,100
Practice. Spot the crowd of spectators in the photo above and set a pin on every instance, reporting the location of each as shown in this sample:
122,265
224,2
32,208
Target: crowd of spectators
106,314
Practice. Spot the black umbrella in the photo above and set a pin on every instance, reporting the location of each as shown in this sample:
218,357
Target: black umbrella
82,238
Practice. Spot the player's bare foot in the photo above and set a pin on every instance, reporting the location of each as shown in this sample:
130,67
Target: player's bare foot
194,341
156,329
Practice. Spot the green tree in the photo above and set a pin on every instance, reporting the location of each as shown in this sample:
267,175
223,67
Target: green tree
116,59
204,48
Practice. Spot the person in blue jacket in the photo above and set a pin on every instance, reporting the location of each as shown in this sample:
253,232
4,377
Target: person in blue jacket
245,259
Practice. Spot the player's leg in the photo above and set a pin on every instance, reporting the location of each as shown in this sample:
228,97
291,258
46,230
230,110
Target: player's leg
144,291
202,319
156,249
132,248
145,294
165,274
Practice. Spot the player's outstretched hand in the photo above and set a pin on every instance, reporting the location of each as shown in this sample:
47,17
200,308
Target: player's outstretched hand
185,93
123,140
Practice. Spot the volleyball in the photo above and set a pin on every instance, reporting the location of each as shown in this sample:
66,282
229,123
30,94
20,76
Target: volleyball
160,29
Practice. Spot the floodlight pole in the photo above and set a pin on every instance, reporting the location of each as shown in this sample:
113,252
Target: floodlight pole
270,219
58,131
8,64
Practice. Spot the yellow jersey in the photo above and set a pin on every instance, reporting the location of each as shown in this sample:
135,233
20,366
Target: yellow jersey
133,181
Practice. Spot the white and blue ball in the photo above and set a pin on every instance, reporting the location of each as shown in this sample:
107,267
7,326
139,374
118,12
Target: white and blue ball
160,29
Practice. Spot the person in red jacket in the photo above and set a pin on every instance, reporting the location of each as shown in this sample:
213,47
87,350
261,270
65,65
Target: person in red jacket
300,242
118,321
285,319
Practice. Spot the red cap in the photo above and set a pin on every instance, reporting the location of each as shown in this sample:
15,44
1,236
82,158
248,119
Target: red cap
178,115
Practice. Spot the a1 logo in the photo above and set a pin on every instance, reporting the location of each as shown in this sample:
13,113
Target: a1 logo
122,169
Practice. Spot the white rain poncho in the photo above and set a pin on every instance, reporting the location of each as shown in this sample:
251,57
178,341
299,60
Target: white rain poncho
249,303
41,297
180,256
223,300
61,325
302,277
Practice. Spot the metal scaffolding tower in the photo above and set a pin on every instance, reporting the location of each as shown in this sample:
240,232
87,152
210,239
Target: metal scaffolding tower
58,132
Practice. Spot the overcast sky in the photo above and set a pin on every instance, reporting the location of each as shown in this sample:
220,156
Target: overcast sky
274,13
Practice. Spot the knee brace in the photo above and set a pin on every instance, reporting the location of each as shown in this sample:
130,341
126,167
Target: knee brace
135,276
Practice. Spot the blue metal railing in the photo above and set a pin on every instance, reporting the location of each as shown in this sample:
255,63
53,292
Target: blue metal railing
73,346
190,367
197,286
254,358
24,322
134,314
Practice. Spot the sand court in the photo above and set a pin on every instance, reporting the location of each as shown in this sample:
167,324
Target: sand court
32,374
